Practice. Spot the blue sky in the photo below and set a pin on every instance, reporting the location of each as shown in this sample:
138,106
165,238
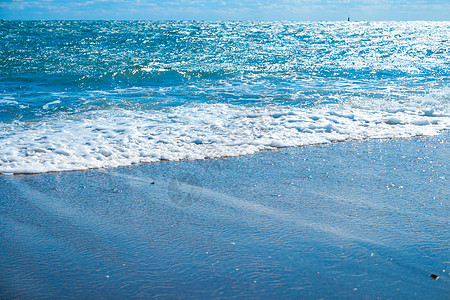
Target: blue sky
302,10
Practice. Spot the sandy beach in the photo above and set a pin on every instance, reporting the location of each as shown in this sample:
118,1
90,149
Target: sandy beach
347,220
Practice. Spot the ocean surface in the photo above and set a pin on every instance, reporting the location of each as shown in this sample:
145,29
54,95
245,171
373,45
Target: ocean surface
82,94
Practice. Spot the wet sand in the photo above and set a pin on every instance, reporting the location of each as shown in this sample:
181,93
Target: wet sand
347,220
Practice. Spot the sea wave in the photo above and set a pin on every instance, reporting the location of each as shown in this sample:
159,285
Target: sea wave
119,137
79,94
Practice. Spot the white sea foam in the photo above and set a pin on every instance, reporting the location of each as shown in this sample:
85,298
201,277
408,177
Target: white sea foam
8,101
123,137
47,106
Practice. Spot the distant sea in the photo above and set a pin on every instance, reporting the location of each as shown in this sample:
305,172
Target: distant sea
76,95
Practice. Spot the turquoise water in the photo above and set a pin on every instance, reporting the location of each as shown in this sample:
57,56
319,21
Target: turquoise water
81,94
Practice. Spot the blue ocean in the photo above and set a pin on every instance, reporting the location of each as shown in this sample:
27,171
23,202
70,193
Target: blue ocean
78,95
178,193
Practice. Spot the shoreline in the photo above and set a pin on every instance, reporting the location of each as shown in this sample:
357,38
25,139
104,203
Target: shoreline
443,132
352,220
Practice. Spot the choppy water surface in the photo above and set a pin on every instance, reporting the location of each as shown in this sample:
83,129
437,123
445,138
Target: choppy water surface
79,95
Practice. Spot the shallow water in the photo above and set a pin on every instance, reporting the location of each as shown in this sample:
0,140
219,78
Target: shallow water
80,94
356,220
